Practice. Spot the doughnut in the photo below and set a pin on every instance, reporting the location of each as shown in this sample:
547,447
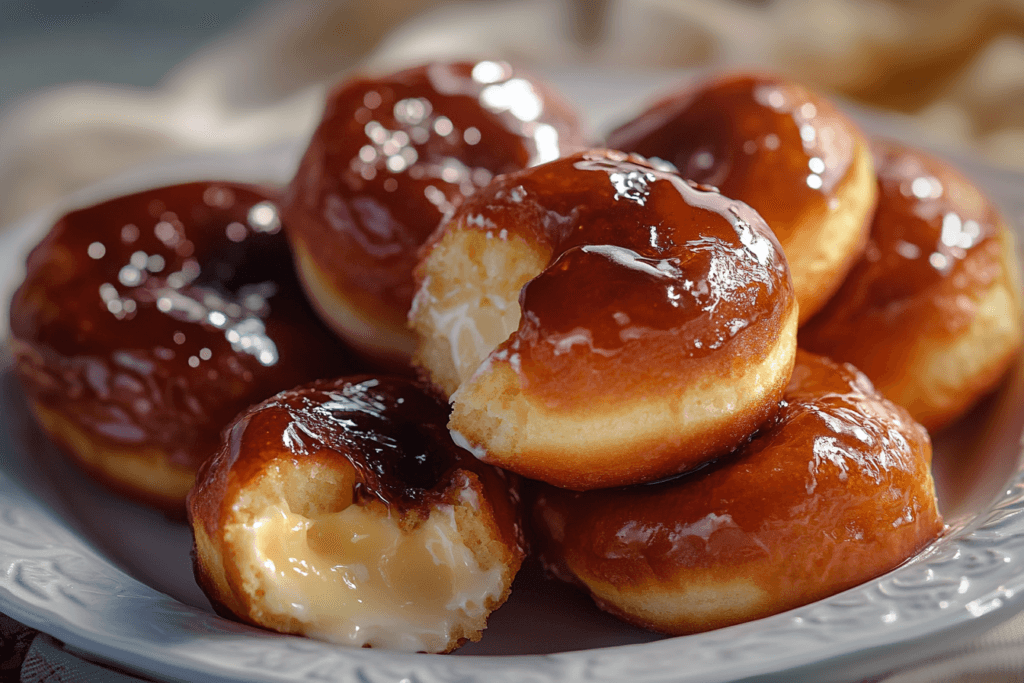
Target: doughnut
932,311
834,491
790,154
390,157
147,322
599,322
341,510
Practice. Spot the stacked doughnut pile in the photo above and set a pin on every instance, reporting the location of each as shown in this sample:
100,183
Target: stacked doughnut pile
530,345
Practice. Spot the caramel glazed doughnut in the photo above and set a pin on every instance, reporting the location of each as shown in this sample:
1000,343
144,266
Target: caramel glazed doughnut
655,327
790,154
390,158
832,492
939,288
342,510
147,322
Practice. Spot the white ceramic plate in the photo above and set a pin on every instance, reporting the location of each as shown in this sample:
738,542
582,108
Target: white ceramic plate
113,580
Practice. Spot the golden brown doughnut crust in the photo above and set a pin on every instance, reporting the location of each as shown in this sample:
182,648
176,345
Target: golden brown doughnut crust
834,491
656,329
345,495
932,311
390,157
789,153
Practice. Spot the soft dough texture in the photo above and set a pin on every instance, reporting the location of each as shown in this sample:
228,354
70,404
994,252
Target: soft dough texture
932,312
342,511
834,491
390,157
789,153
600,322
147,322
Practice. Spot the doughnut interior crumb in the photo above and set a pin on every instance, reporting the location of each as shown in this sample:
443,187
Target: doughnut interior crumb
297,555
468,301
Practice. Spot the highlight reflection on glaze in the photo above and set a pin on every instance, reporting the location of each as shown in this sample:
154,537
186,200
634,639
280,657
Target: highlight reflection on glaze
755,138
392,432
393,155
936,287
638,256
929,223
831,431
151,319
925,215
833,491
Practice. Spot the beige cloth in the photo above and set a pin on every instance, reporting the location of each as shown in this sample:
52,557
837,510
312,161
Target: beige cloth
955,67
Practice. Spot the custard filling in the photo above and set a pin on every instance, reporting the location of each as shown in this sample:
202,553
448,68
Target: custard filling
469,302
355,577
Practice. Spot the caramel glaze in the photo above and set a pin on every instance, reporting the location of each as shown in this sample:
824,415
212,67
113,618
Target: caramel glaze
833,491
653,282
391,430
394,154
933,251
761,139
152,319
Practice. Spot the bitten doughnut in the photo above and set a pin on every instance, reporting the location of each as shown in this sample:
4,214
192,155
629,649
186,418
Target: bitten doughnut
147,322
834,491
600,322
790,154
341,510
932,312
391,156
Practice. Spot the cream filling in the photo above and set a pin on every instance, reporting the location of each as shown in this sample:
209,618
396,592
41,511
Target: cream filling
468,301
353,577
473,324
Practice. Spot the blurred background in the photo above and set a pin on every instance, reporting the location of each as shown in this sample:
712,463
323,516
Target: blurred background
51,42
93,87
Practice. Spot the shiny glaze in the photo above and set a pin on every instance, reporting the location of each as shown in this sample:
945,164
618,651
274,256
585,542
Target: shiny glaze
644,267
932,250
393,154
392,430
760,139
151,320
834,490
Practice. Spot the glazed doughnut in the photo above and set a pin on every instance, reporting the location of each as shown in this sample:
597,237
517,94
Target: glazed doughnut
835,491
790,154
391,156
341,510
600,322
147,322
932,312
